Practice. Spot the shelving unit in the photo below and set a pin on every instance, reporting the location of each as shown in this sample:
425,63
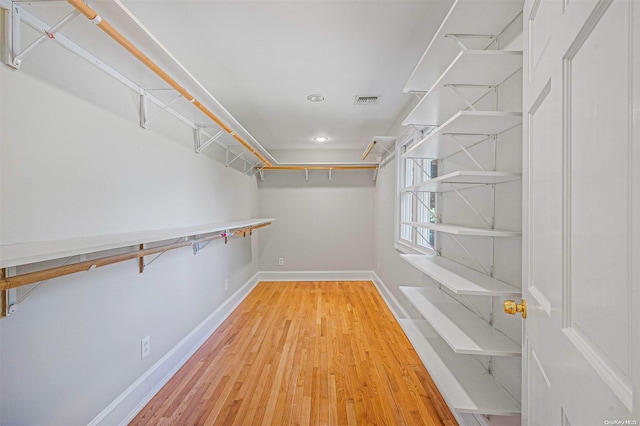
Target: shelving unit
463,380
463,179
462,69
473,72
459,279
496,15
12,255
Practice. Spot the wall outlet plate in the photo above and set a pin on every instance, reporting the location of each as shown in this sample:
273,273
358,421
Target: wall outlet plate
145,347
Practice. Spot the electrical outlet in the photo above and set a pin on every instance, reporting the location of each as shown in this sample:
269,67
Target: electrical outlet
281,261
145,347
226,284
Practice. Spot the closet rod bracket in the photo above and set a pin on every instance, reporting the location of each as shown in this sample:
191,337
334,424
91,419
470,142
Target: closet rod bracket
13,39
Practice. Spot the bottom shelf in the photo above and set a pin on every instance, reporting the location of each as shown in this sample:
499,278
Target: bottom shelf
462,380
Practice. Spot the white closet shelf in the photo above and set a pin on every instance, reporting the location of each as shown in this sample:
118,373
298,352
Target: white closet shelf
463,179
40,251
464,230
465,384
463,18
460,279
466,128
476,68
463,330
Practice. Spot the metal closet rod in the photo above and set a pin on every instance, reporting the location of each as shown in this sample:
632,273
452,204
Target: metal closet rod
59,271
93,16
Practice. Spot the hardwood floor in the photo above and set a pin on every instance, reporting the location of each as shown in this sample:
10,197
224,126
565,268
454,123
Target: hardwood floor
303,353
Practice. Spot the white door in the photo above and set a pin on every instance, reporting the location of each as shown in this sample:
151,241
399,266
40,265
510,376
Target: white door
581,228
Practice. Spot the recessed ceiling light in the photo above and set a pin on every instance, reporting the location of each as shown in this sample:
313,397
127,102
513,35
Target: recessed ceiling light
315,98
321,139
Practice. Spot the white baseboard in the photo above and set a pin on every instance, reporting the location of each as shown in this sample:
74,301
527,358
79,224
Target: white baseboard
315,275
128,404
396,308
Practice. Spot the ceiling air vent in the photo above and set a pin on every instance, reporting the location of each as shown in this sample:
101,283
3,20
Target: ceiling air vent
366,100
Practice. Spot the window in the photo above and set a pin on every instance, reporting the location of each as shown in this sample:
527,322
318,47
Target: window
415,206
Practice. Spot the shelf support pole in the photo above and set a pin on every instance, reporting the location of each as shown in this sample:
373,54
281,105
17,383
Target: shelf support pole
8,296
141,264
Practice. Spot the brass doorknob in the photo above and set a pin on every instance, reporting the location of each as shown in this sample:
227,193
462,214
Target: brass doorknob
511,307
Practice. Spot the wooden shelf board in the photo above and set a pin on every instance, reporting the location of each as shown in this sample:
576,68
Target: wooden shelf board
463,179
465,384
470,67
468,128
463,330
463,18
464,230
460,279
40,251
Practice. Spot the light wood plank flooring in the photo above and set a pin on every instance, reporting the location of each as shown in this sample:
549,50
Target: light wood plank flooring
303,353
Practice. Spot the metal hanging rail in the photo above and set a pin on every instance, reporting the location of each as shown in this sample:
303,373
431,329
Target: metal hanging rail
93,16
46,274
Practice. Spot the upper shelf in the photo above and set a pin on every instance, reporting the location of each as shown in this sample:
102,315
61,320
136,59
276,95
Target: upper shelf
464,230
466,128
460,279
473,73
463,179
475,17
22,254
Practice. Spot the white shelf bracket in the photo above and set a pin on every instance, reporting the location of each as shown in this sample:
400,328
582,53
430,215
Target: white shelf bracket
480,215
417,163
459,37
198,145
416,194
261,173
375,174
198,247
142,266
17,56
330,174
228,162
453,136
306,174
145,118
456,89
469,253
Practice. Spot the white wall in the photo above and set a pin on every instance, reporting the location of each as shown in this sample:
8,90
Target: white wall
69,168
321,225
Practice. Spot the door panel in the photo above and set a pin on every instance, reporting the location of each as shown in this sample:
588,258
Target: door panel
545,410
597,129
581,217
